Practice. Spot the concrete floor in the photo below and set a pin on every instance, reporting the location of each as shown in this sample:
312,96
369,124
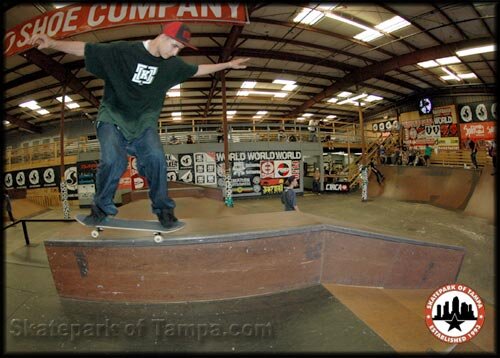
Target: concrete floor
316,319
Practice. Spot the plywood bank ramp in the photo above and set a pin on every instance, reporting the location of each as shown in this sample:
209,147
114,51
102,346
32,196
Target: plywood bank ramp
482,202
449,188
242,256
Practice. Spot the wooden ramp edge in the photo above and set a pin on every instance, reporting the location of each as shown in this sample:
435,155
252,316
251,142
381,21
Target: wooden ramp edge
238,261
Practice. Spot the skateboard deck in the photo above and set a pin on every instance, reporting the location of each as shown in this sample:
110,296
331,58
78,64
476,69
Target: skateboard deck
125,224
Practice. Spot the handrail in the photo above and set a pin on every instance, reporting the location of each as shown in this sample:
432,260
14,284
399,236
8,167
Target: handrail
25,228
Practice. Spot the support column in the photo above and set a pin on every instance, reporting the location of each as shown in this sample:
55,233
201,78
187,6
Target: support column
364,164
63,186
228,186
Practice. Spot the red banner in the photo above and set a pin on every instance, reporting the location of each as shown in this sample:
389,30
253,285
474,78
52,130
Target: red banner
79,18
478,131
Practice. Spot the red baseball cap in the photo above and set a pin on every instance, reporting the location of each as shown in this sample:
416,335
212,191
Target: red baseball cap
178,31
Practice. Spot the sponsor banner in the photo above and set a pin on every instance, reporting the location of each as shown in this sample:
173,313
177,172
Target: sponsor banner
337,187
261,172
449,130
205,168
444,115
477,131
386,126
47,177
81,18
477,112
71,178
186,168
137,181
86,172
448,143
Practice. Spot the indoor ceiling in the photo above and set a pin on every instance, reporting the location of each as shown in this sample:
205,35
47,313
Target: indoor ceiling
323,60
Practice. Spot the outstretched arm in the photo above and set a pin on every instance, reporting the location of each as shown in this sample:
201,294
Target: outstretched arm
76,48
234,64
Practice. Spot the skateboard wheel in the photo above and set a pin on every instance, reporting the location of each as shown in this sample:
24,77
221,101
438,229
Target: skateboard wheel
95,234
158,238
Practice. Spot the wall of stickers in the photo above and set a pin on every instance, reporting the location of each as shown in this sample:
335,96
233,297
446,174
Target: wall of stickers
478,122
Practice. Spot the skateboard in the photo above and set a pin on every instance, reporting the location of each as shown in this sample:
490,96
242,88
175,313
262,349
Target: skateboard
139,225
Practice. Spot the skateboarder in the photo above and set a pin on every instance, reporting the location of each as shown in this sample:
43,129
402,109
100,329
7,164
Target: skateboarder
8,206
378,173
137,75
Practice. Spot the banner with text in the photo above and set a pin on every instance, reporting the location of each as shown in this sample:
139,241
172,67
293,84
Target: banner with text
81,18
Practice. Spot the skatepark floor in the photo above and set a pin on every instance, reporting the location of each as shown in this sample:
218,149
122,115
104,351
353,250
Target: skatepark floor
318,319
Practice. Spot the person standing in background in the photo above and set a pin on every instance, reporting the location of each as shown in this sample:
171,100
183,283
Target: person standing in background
288,196
473,152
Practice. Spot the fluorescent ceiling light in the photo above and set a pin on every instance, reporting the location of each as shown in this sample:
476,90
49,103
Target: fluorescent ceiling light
326,7
262,113
428,64
264,93
448,78
476,50
347,21
176,114
301,119
6,123
363,95
309,16
333,100
174,93
372,98
248,84
450,73
177,119
257,116
43,111
344,94
231,113
467,75
368,35
283,82
30,104
289,87
331,116
393,24
448,60
72,105
307,114
66,99
176,87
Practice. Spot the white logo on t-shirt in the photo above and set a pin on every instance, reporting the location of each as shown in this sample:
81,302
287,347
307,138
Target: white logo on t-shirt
144,74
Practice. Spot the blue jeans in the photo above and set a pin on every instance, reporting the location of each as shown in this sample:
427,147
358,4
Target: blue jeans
148,150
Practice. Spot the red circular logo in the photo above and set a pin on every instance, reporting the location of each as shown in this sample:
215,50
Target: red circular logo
454,313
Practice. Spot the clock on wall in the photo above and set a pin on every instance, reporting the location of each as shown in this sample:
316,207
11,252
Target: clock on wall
425,105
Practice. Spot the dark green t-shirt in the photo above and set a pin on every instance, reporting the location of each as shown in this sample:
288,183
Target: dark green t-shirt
135,83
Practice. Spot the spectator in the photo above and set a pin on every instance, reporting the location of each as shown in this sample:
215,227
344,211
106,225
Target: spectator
281,135
220,135
492,152
173,140
473,152
412,153
427,154
313,124
381,154
396,156
189,139
288,196
316,181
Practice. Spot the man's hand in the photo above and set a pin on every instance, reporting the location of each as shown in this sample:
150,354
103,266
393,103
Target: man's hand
237,63
41,41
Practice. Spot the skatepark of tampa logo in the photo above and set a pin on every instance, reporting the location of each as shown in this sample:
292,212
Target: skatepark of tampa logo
454,313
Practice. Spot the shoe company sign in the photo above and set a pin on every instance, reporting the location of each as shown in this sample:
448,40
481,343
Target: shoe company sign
477,112
78,18
337,187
